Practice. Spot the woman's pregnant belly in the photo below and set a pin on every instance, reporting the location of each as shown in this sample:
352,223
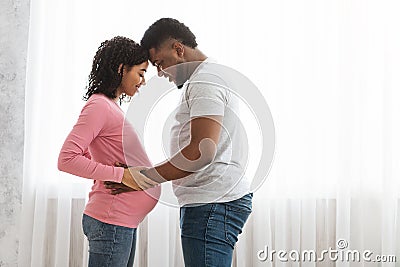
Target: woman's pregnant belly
125,209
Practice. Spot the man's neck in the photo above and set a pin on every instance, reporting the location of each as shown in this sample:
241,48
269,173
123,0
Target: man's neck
195,55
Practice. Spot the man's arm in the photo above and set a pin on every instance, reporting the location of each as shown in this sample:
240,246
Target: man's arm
200,152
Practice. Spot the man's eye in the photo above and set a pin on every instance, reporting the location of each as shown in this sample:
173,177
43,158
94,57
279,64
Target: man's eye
141,75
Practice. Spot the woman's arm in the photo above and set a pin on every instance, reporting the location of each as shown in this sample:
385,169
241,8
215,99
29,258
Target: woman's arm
74,157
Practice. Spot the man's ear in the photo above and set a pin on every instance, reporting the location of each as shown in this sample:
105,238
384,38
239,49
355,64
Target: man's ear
179,48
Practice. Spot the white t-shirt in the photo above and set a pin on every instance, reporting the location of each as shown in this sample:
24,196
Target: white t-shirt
208,92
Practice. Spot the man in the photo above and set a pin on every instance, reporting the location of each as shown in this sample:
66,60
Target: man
207,165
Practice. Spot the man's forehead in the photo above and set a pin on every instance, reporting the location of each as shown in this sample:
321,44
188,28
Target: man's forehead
157,52
153,54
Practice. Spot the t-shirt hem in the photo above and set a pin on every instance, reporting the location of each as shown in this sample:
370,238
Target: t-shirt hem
203,202
105,220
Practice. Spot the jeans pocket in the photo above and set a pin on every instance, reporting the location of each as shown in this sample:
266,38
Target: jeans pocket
242,204
235,218
92,228
193,221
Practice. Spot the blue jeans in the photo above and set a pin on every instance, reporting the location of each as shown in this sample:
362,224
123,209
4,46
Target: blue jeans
109,245
209,232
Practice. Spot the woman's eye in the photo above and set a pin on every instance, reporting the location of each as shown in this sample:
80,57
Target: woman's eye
141,75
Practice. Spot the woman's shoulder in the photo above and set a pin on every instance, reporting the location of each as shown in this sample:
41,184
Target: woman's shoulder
99,97
99,100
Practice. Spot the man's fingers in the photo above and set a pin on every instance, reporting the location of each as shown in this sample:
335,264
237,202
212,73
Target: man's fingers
149,181
145,182
142,180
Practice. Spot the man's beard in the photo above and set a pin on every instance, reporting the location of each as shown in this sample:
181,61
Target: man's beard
181,75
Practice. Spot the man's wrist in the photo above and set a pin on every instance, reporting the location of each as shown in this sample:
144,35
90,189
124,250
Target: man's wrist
155,177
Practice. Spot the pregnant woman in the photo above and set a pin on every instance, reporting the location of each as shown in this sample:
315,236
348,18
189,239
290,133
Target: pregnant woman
94,145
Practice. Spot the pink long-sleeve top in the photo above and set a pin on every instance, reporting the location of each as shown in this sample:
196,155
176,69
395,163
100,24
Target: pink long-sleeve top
95,143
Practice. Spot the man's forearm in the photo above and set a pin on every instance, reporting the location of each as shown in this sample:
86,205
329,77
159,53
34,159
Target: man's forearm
166,171
182,164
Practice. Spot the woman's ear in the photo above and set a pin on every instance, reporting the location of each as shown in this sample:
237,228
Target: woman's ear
120,68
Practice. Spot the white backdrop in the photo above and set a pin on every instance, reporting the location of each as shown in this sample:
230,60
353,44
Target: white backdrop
329,72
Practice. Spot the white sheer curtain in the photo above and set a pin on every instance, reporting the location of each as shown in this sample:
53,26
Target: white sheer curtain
328,70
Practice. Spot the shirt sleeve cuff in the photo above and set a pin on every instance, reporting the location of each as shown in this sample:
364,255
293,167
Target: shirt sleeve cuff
119,174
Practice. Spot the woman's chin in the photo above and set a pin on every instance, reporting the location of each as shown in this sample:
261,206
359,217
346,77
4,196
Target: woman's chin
131,94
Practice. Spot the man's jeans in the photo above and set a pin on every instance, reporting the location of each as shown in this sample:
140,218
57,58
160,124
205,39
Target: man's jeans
209,232
109,245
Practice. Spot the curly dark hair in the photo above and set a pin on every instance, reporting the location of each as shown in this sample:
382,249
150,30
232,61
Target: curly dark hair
166,28
104,77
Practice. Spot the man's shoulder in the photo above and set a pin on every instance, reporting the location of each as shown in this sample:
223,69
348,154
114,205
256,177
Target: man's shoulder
210,73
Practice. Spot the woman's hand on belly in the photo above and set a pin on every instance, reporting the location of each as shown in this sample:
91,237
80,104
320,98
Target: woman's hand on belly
117,188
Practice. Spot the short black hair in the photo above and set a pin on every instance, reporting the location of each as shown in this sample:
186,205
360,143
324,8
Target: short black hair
164,29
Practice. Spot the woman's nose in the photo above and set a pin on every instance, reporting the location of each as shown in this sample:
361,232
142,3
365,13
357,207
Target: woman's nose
143,82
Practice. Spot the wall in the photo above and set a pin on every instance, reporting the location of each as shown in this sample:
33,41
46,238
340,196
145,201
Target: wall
14,26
